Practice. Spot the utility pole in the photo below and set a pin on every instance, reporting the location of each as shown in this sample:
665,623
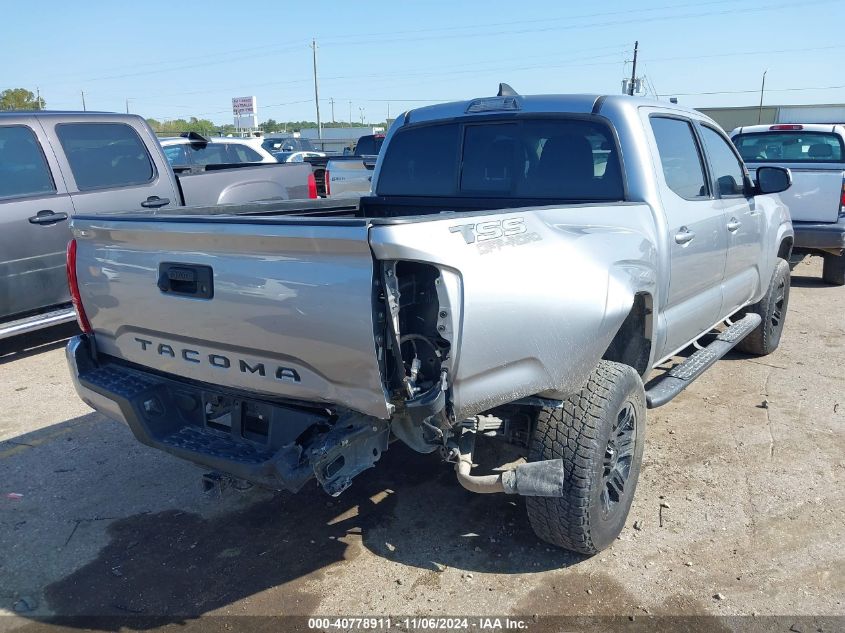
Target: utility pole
350,114
361,108
316,91
332,102
38,97
634,70
127,105
83,101
762,89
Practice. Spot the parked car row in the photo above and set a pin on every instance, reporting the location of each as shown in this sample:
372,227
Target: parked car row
54,165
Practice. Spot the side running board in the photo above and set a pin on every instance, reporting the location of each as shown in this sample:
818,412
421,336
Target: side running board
37,322
681,376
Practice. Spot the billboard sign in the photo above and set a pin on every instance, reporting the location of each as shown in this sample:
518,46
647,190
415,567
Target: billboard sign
244,106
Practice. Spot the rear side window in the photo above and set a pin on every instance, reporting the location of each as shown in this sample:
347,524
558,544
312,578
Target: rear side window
243,154
421,162
105,155
23,169
559,159
790,147
727,170
683,168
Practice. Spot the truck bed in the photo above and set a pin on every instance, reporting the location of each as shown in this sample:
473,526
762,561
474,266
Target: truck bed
296,288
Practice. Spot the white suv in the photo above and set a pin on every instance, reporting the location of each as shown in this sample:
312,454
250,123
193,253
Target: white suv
197,150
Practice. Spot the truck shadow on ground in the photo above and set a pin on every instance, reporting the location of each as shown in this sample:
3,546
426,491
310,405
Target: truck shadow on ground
805,281
162,561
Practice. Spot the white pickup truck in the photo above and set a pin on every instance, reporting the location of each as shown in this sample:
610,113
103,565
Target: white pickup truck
815,154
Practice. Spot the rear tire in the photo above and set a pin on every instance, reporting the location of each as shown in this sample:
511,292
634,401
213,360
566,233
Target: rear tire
833,271
772,309
599,433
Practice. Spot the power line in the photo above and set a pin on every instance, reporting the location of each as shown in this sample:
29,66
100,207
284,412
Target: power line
754,91
351,42
343,39
429,72
567,27
472,68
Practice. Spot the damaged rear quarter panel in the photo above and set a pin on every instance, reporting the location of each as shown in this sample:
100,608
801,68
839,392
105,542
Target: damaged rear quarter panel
537,307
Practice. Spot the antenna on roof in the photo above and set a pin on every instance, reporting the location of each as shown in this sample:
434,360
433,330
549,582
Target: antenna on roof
506,91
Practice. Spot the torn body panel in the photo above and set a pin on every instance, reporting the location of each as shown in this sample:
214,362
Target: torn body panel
527,320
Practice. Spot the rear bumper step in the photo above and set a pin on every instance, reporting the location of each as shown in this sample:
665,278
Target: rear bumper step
820,235
681,376
37,322
276,445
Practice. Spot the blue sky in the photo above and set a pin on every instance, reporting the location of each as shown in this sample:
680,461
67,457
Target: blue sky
180,59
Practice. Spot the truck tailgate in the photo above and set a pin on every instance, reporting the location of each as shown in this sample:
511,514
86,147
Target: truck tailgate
288,310
815,193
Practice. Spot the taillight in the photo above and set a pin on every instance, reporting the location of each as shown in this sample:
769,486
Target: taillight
73,284
842,199
312,186
784,128
328,180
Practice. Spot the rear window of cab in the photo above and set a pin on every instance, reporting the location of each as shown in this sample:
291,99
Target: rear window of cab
790,147
570,159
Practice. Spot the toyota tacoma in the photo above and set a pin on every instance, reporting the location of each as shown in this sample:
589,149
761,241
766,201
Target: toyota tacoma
522,267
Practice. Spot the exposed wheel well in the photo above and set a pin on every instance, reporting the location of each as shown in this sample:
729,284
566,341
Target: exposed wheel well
632,343
785,248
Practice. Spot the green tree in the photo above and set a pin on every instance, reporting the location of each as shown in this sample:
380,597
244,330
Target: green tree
20,99
270,126
177,126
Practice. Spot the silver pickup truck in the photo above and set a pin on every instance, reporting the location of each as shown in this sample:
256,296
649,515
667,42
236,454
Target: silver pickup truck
524,264
815,154
56,164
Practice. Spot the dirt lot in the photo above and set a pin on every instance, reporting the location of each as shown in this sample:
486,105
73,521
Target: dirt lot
754,523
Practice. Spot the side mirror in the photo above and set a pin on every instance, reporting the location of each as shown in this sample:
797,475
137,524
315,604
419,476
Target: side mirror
773,179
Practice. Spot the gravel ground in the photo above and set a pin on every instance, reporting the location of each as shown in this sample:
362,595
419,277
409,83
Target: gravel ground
747,465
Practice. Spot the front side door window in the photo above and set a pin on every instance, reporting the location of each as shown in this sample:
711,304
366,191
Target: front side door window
743,222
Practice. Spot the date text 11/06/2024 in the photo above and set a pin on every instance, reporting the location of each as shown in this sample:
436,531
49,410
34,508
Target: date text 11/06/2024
418,624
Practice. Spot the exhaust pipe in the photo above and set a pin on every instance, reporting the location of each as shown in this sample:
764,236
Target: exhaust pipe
533,479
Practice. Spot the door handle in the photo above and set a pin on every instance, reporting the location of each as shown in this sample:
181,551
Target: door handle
154,202
47,217
684,236
733,225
